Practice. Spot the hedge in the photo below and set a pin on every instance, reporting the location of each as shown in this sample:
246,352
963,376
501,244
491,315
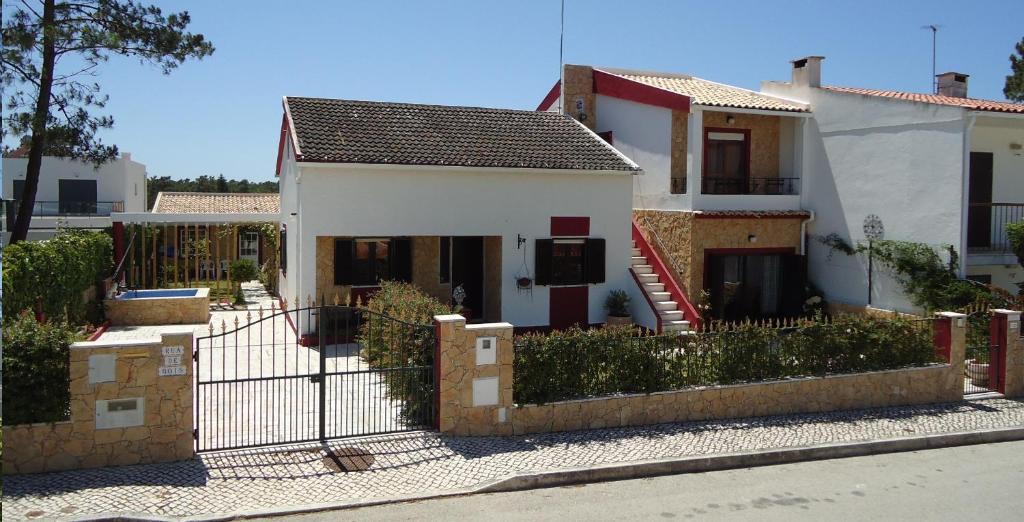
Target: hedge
35,376
577,363
48,277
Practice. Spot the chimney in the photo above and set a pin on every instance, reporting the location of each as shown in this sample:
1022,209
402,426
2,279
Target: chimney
127,155
807,71
952,84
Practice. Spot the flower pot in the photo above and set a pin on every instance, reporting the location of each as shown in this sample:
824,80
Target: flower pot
614,320
977,372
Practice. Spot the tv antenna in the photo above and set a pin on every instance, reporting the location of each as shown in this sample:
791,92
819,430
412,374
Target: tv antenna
934,28
561,66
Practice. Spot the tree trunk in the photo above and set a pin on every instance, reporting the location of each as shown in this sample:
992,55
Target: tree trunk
19,232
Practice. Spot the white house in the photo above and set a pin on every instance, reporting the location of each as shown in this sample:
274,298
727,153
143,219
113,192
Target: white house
528,212
720,207
945,170
74,194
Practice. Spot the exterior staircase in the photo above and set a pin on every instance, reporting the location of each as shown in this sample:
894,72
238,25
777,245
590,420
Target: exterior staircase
671,316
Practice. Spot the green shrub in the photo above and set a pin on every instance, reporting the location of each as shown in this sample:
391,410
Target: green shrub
586,363
244,270
35,376
49,276
396,330
617,303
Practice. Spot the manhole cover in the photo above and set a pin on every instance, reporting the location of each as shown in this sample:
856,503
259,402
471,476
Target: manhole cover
348,459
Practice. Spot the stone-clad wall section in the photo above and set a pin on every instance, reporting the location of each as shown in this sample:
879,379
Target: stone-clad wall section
164,436
579,86
458,368
674,230
159,310
932,384
764,139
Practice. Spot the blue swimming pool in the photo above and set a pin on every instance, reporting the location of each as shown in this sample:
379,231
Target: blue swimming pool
148,294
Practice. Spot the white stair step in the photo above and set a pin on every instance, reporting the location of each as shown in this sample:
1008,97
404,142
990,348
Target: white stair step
675,326
637,252
655,287
660,296
634,244
638,260
671,315
643,269
666,306
647,278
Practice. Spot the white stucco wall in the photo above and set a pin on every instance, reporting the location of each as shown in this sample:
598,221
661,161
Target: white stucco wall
374,201
994,134
289,220
900,160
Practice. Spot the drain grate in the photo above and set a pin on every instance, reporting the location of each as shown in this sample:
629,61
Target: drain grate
348,459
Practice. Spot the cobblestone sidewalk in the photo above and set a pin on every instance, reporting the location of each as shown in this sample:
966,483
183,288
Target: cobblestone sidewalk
418,463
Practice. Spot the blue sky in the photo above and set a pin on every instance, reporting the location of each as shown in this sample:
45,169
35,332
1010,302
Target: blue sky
222,114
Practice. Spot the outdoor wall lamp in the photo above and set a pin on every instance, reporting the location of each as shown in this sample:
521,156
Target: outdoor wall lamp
730,119
520,240
752,238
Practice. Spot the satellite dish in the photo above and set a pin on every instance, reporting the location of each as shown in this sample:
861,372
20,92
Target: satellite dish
873,228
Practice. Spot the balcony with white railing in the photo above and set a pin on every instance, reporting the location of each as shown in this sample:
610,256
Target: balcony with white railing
74,214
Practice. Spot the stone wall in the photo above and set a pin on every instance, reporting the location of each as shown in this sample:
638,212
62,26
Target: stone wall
578,85
492,279
674,228
764,139
165,434
458,369
677,161
459,415
1014,343
160,310
426,268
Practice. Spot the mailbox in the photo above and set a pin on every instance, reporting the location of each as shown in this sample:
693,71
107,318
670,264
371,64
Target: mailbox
119,413
486,350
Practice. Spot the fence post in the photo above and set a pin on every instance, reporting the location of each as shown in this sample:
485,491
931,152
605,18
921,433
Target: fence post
474,385
1005,332
951,340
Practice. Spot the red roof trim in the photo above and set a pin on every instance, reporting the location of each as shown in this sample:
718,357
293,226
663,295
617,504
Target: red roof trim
286,131
280,144
553,95
618,87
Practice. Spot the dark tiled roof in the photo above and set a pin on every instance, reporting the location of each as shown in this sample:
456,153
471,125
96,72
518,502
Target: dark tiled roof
345,131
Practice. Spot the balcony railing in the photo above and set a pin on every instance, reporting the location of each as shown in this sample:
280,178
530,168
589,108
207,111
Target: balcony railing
754,186
986,226
67,208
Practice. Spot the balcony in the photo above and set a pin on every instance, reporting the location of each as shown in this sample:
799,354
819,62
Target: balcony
67,208
986,227
751,186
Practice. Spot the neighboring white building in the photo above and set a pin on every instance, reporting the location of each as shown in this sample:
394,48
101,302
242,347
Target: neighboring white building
74,194
529,212
937,169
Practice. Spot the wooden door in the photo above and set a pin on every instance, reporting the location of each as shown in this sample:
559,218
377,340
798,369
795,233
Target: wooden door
979,197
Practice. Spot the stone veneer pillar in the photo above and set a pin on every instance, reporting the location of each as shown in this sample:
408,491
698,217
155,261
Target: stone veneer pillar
474,394
1013,361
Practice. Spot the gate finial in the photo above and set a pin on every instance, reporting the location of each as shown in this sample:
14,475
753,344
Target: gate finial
337,299
260,311
359,301
248,317
223,326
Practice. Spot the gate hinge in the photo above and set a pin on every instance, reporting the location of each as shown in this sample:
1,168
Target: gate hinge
195,433
195,355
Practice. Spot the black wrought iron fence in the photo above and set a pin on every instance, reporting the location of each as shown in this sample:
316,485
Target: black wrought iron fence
757,186
577,364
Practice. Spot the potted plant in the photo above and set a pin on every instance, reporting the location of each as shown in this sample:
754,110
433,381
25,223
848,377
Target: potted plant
617,305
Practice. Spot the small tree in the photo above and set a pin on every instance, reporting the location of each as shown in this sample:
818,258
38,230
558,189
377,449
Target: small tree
242,271
1014,87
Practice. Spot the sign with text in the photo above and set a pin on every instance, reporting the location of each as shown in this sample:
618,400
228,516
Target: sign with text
170,371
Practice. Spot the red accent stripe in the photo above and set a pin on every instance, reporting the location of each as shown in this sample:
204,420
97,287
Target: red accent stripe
99,331
657,316
570,226
942,333
437,374
553,95
280,143
671,285
569,305
997,352
625,89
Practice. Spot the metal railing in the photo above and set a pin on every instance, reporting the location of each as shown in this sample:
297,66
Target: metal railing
753,186
991,238
67,208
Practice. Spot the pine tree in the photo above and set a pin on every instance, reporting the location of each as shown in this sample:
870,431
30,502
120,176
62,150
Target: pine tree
1014,88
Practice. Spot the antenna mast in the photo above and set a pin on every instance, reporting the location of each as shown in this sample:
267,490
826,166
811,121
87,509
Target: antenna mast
561,67
935,31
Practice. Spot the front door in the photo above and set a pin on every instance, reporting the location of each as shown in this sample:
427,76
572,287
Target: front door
249,246
979,197
468,271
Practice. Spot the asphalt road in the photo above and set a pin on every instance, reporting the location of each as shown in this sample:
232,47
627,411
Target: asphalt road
983,482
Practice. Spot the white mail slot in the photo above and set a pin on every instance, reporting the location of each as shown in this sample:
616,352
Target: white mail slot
173,350
172,360
170,371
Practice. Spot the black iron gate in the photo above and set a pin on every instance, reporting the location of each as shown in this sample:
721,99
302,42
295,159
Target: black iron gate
982,353
311,374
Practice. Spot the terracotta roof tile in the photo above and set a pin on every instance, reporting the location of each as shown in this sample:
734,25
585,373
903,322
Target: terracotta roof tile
706,92
217,203
346,131
973,104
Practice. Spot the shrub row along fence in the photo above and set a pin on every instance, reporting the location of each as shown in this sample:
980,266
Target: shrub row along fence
49,277
576,363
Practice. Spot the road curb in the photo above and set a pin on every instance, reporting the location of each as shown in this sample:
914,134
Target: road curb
631,470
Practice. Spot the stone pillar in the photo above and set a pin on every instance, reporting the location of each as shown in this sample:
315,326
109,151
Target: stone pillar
1012,352
953,327
578,99
474,379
